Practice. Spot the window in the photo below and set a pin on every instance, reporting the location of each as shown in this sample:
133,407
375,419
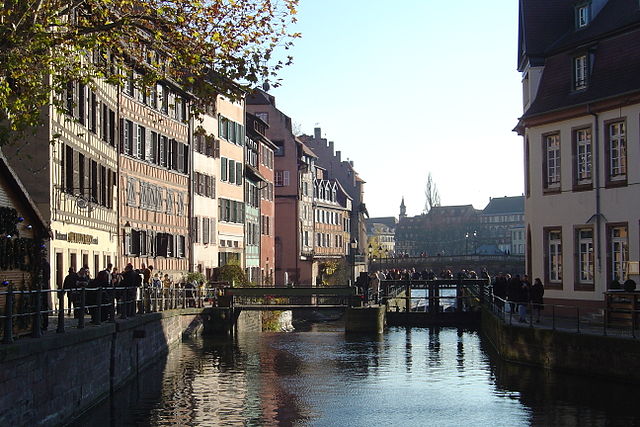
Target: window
585,256
617,151
580,72
279,152
281,178
582,16
583,156
264,116
618,252
552,160
554,256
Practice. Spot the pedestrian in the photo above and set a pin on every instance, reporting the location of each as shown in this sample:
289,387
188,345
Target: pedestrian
130,280
513,291
70,283
537,297
83,281
524,299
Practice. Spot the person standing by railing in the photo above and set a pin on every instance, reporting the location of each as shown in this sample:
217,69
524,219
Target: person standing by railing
537,297
524,299
169,296
69,283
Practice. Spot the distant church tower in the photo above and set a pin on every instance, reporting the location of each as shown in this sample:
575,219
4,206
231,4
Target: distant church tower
403,210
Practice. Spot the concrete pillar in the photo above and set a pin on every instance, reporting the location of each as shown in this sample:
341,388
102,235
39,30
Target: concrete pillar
365,320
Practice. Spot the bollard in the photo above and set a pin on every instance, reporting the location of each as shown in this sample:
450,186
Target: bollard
8,320
83,299
60,328
36,329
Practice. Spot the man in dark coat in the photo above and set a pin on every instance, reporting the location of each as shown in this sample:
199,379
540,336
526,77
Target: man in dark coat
513,291
70,283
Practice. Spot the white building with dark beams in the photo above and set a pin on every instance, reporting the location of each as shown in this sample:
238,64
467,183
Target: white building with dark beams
580,65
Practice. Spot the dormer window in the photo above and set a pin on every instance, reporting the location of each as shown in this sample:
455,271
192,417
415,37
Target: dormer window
580,72
582,16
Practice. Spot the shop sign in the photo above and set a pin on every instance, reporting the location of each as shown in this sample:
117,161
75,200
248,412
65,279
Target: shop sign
71,237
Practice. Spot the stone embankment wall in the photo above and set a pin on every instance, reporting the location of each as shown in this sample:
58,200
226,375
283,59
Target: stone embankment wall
52,380
593,355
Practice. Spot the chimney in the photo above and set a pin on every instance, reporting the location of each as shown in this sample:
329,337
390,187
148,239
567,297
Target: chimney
317,133
351,163
338,153
331,147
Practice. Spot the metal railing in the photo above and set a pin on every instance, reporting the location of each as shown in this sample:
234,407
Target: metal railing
101,304
564,317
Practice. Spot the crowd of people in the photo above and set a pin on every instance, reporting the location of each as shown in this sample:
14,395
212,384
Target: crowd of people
514,294
133,290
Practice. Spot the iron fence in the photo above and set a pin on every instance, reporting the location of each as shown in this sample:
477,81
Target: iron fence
98,304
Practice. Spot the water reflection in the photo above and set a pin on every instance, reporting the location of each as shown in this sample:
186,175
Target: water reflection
323,377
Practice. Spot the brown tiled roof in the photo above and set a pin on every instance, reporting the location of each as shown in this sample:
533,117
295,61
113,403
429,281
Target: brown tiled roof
615,71
542,23
612,40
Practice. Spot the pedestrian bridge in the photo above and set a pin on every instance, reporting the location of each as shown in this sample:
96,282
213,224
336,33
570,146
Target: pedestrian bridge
405,302
327,298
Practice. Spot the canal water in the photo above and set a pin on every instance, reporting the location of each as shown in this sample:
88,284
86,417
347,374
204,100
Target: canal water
322,377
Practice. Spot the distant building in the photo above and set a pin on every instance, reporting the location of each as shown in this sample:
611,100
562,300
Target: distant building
381,234
344,172
499,220
463,230
580,70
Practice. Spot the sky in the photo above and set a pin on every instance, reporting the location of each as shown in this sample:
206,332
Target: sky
412,87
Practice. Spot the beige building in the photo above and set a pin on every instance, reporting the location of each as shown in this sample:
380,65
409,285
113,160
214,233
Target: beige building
581,85
231,209
69,169
206,167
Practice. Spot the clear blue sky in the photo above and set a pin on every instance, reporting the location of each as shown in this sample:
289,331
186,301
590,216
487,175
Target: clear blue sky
409,87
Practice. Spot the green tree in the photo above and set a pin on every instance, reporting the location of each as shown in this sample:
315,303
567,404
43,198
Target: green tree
209,47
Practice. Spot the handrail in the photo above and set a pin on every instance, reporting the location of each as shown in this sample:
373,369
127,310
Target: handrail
101,303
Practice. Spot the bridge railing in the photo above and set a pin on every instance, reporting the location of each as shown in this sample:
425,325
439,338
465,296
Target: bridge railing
31,312
565,317
292,297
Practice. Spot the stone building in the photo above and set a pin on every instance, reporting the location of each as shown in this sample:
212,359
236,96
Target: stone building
154,178
580,66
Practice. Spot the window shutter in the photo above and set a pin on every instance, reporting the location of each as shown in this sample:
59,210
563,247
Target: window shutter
223,167
232,168
185,166
238,173
205,231
135,242
285,178
212,190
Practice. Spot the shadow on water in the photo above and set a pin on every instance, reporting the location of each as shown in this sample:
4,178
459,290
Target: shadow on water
324,377
557,398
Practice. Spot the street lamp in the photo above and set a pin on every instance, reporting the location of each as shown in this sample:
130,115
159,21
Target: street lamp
127,228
